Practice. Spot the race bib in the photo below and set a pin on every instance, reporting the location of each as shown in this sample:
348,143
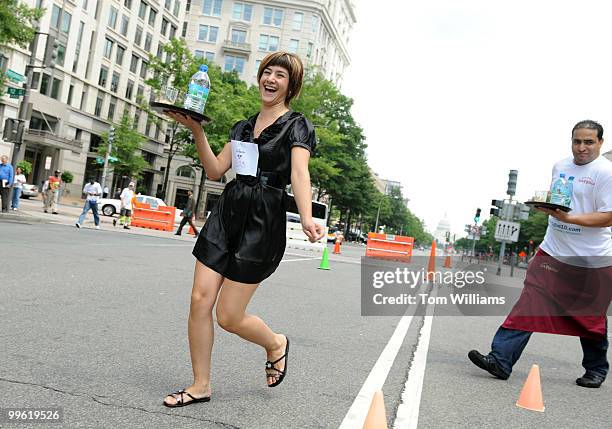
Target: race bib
245,157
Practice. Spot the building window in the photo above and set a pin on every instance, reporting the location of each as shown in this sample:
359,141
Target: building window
242,12
184,32
172,32
55,88
293,46
152,17
115,82
61,54
268,43
125,23
208,33
66,19
309,52
129,89
120,54
111,108
136,119
103,76
138,36
55,13
112,18
148,41
239,36
212,7
142,11
70,92
177,8
134,63
44,83
83,100
140,92
257,64
160,50
108,48
186,171
298,18
168,4
143,69
315,23
234,63
198,54
164,26
127,3
99,103
273,16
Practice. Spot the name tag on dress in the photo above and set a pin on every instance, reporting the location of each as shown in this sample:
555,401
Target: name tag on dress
245,157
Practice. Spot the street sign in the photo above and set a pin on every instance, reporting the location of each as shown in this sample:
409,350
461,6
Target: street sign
14,76
15,92
507,231
48,163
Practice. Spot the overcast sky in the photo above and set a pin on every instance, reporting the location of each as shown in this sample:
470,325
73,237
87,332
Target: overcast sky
453,94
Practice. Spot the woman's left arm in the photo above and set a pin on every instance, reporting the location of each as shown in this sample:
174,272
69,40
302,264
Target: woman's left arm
300,182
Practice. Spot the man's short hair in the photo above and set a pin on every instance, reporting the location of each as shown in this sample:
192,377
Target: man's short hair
589,125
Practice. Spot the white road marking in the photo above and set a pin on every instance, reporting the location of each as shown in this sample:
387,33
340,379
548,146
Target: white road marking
407,416
356,415
300,259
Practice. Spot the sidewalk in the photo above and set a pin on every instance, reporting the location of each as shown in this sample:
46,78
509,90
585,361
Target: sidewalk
69,210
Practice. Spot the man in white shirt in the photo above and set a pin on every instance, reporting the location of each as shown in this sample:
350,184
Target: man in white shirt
125,215
567,287
92,190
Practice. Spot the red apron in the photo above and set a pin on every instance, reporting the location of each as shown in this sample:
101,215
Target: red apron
564,299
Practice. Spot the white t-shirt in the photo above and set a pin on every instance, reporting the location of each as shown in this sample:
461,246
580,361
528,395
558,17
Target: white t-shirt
592,192
94,188
20,179
126,198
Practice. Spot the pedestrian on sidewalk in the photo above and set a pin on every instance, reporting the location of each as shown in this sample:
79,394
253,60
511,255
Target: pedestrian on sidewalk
125,211
188,215
93,190
567,285
105,192
54,182
18,183
243,240
6,180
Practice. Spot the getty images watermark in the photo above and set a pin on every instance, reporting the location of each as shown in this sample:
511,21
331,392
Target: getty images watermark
395,289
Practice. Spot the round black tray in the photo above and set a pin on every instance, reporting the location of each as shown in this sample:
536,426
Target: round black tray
161,107
550,206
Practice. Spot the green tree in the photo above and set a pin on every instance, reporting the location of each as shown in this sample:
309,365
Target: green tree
26,167
126,148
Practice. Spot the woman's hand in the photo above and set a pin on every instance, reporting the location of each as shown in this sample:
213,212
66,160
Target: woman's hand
186,121
313,230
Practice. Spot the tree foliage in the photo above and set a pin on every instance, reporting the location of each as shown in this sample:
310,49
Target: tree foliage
16,23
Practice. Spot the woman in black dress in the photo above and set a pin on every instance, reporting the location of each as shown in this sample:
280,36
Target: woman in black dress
243,240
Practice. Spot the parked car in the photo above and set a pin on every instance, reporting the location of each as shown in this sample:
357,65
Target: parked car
28,190
332,234
111,206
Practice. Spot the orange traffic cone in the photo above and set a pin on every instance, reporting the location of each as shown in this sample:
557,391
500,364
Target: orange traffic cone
337,247
447,262
377,417
431,268
531,395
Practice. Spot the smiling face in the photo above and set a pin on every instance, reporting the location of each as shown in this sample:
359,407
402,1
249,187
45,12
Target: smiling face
274,85
586,146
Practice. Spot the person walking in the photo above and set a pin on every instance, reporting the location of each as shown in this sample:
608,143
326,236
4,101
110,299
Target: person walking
125,211
18,183
6,180
243,240
93,190
188,215
53,185
567,286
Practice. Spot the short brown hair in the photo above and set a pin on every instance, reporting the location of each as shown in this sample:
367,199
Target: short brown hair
294,66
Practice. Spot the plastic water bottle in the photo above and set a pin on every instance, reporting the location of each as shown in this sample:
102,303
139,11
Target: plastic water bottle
199,87
557,190
569,191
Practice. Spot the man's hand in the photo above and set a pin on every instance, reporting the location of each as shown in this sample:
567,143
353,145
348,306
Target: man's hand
557,214
313,230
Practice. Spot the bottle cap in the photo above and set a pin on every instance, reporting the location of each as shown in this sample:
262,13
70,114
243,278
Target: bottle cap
204,68
562,175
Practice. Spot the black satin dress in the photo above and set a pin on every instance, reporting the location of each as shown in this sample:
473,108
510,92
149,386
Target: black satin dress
245,235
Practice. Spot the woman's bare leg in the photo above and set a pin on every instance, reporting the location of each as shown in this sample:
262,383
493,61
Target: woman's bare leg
231,316
206,285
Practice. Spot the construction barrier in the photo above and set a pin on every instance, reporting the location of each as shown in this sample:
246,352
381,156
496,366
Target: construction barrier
161,219
388,246
296,239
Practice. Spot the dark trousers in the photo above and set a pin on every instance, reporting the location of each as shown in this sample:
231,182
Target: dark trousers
508,344
5,193
184,222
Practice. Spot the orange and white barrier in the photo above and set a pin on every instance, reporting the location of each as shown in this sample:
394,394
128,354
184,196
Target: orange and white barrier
144,216
389,246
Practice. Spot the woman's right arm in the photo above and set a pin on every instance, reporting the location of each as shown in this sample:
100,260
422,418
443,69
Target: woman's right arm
215,166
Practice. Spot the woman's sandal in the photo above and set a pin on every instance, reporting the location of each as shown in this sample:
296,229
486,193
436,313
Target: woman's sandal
280,375
180,401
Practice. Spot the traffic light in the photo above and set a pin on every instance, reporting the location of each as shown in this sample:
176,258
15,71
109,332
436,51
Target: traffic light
51,49
477,217
447,236
111,134
512,182
498,204
523,213
13,130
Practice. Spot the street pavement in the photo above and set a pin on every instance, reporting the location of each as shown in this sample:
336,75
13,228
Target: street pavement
95,322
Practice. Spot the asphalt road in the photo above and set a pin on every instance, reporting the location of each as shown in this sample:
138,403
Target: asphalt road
95,322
